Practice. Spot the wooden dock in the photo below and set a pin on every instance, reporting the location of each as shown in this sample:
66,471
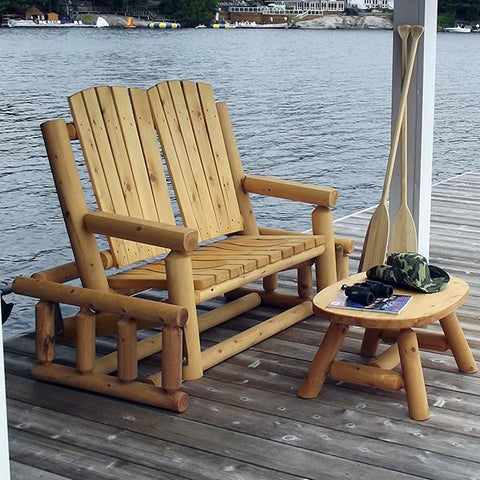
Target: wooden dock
245,421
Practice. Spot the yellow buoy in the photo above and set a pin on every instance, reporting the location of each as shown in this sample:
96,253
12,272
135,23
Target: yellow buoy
130,23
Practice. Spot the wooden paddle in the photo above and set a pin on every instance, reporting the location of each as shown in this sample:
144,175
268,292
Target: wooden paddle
403,237
376,239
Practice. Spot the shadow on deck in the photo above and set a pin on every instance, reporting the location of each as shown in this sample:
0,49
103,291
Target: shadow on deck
245,421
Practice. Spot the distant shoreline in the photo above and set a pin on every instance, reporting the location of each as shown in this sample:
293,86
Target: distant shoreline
328,22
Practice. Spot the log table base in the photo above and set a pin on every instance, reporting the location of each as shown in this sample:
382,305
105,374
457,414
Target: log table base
422,310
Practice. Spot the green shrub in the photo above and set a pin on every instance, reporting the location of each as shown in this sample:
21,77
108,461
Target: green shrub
446,20
87,18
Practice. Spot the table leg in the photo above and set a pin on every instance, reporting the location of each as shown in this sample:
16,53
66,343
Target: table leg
370,342
326,353
389,359
458,344
413,375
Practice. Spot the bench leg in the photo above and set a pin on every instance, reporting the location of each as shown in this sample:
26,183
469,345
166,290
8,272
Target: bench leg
181,292
44,332
270,283
304,281
458,344
325,264
413,375
331,343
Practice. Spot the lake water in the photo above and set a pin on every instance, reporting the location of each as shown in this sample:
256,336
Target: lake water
308,105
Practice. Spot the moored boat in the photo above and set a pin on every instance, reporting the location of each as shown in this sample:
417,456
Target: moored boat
43,23
20,23
248,24
459,28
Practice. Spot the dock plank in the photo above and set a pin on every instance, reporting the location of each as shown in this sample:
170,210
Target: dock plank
278,458
172,460
19,471
245,420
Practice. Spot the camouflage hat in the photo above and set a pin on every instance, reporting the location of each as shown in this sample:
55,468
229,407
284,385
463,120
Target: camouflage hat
411,271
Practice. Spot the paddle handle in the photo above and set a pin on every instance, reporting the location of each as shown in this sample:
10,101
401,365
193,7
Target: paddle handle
416,33
405,116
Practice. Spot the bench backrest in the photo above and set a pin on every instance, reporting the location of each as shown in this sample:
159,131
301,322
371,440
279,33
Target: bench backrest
121,150
119,131
188,124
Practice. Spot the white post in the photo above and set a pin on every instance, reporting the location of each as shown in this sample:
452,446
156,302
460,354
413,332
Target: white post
4,454
420,115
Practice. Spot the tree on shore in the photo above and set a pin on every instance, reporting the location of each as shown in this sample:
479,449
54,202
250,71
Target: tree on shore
191,12
450,11
19,6
467,10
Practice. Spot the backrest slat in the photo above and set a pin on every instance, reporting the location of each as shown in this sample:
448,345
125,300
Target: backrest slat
197,120
134,153
111,146
92,134
221,158
114,153
187,122
183,179
170,154
244,203
153,159
192,162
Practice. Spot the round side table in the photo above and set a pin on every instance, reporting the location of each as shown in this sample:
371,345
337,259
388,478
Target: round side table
421,310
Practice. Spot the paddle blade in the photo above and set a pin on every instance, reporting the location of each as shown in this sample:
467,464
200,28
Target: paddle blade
404,232
376,239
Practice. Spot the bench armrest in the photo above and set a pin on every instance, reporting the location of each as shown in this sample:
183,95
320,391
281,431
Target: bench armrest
181,239
300,192
149,311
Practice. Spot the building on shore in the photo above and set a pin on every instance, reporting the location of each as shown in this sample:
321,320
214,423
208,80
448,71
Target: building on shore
374,4
278,12
35,14
302,9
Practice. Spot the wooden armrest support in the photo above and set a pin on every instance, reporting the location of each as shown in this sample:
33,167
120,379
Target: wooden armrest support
69,271
101,301
59,274
300,192
347,244
175,237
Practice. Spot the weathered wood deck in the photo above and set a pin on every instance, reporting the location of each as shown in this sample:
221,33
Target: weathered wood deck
245,421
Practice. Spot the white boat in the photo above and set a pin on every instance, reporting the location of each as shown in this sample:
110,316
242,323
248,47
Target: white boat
459,29
101,22
248,24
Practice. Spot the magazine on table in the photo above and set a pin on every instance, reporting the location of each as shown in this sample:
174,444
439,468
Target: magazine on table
394,304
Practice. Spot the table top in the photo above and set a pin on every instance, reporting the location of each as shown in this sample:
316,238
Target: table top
422,309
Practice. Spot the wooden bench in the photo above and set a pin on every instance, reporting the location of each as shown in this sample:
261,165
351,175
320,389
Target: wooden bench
216,247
